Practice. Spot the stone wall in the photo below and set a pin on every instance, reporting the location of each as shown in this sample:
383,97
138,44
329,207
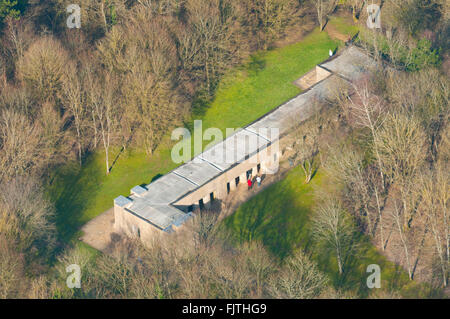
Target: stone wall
220,185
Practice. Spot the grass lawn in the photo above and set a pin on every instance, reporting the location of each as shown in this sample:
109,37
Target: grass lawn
245,93
255,88
280,217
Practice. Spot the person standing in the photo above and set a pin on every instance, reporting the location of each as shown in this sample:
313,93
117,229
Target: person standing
249,183
258,180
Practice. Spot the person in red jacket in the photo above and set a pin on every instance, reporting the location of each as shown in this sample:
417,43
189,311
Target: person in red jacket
249,183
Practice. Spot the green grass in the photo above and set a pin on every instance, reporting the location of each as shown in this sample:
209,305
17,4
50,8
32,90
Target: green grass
280,217
245,93
341,25
265,82
82,194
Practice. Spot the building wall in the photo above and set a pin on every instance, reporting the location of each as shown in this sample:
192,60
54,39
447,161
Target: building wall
321,73
135,227
132,226
218,186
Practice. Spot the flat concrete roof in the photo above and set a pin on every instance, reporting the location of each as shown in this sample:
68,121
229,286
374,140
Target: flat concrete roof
153,202
351,64
162,216
198,171
298,109
233,149
166,190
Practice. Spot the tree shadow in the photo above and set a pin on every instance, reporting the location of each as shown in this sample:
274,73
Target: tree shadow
69,190
271,218
200,104
314,173
257,63
117,157
121,151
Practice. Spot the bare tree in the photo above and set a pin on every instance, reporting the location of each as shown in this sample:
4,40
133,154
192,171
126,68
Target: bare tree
307,148
74,102
204,228
260,263
357,6
333,227
323,9
401,145
434,191
213,35
106,110
269,17
25,217
29,145
367,111
346,166
12,276
43,69
299,278
398,217
18,36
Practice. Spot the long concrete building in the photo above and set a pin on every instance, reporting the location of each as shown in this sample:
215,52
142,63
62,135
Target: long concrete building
164,205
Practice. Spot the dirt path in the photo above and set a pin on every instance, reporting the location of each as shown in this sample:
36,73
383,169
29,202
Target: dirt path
99,232
335,34
295,34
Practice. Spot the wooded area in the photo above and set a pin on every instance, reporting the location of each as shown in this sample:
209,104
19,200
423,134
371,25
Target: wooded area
138,68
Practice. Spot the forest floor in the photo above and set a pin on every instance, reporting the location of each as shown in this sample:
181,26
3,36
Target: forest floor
341,28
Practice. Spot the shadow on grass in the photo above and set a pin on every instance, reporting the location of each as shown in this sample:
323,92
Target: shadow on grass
257,63
70,190
275,217
280,216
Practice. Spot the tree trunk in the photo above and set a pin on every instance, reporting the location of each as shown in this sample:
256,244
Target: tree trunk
339,259
403,240
79,144
102,9
307,169
438,244
380,219
107,159
355,19
208,84
95,130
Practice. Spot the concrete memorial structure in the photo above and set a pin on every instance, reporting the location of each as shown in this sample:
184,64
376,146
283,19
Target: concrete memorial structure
164,205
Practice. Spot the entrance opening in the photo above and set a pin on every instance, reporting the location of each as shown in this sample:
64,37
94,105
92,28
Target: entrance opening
249,174
200,203
228,188
236,181
258,168
211,197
